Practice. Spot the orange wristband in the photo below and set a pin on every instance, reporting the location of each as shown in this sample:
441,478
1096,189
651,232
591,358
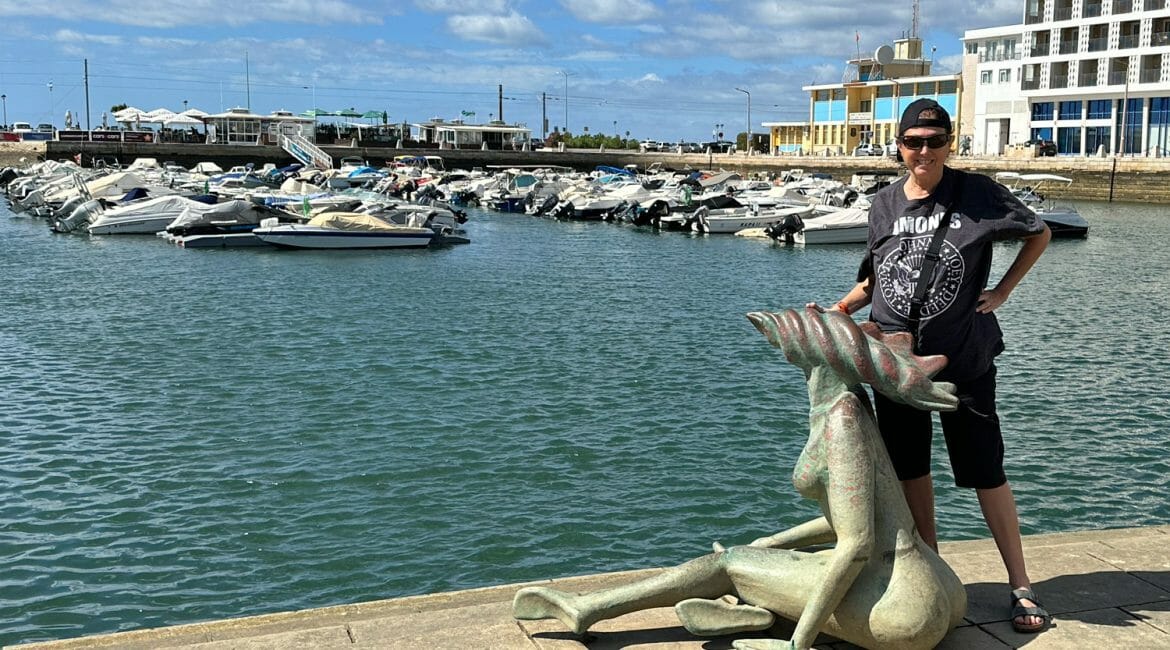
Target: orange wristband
843,308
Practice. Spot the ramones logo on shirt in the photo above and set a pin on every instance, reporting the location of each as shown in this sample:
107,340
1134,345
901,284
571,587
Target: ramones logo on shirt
898,276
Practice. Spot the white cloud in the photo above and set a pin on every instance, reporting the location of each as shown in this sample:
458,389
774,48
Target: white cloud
197,13
512,29
611,11
70,37
462,6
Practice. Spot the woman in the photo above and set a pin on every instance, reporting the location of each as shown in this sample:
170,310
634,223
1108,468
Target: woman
880,586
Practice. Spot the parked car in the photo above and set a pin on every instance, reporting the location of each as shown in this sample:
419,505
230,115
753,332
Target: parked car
867,149
650,145
891,148
21,127
45,127
1043,147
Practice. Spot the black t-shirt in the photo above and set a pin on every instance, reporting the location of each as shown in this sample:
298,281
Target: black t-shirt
900,231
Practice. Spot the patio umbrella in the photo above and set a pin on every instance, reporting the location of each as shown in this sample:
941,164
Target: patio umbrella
158,115
347,112
372,115
128,114
316,112
182,120
194,112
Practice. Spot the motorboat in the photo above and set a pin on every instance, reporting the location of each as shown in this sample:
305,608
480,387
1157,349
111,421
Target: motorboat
147,216
1064,220
821,224
224,225
338,230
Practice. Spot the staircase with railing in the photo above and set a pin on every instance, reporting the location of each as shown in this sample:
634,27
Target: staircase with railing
309,154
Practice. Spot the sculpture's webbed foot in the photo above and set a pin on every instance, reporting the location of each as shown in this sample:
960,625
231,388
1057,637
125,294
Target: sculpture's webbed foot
536,603
719,617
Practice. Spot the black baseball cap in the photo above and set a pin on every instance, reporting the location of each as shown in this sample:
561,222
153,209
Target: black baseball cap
912,116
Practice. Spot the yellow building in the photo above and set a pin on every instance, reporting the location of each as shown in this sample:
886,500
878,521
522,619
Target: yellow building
865,109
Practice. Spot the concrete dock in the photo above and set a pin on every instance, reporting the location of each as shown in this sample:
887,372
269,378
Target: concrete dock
1108,588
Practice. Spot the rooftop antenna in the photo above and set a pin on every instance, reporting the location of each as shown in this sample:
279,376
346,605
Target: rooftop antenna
914,21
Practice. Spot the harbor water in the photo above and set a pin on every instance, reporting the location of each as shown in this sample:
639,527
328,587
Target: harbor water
199,434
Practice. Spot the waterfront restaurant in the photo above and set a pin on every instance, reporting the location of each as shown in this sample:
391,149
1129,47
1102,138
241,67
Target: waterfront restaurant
241,126
457,135
866,108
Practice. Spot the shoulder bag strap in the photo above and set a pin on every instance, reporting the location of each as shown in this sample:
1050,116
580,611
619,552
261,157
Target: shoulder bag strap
930,261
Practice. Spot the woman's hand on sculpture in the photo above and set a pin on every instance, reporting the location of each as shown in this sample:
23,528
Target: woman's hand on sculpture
813,305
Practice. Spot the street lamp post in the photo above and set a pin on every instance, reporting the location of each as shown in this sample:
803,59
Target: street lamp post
50,101
4,99
567,75
747,138
184,106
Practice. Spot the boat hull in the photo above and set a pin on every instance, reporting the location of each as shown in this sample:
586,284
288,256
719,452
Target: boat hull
812,236
298,236
136,227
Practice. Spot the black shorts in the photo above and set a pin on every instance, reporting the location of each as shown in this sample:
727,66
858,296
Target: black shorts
974,441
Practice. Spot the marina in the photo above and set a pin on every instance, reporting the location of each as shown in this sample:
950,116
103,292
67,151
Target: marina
206,434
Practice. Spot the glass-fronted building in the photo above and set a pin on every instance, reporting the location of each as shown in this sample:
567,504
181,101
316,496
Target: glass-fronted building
1091,75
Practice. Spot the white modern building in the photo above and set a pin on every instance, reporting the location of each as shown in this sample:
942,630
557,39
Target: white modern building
1091,75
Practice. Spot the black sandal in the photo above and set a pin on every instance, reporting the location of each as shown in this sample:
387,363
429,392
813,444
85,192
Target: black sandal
1018,610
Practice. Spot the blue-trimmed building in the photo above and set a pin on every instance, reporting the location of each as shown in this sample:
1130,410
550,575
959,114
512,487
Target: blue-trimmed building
866,107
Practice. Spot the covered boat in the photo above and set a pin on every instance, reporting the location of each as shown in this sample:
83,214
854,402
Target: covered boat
344,230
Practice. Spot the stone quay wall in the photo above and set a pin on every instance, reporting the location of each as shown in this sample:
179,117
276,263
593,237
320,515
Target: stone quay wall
1141,180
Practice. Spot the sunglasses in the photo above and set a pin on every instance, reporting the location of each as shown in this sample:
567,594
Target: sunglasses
915,142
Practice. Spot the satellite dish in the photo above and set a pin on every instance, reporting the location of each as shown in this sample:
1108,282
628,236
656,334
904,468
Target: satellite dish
884,55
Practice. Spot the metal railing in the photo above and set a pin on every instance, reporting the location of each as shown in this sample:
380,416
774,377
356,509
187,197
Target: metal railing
1098,44
1041,49
1150,76
1126,41
1058,81
1091,10
1116,78
1031,84
1062,13
1122,6
1068,47
1087,79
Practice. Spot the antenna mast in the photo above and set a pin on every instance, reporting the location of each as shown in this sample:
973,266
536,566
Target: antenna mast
914,21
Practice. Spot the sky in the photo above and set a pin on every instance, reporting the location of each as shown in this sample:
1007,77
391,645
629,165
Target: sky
653,69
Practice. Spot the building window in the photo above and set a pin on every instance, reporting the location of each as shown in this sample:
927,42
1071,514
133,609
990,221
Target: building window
821,95
865,106
1042,111
972,48
1005,76
885,91
985,77
948,87
1070,110
1100,109
838,93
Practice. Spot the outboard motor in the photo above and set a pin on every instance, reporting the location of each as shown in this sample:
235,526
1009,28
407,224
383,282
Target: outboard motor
81,215
549,203
698,220
7,175
563,211
785,229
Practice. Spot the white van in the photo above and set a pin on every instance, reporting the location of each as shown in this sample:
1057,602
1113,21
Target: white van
21,127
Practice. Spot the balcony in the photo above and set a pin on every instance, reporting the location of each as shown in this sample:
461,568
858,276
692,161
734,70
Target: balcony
1091,10
1062,13
1150,76
1058,81
1068,47
1122,6
1117,78
1160,38
1087,80
1098,44
1040,50
1032,19
1030,84
1126,41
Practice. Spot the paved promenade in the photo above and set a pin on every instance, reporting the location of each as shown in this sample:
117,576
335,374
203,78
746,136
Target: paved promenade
1105,589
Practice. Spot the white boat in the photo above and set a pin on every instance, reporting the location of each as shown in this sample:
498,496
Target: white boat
338,230
839,226
144,217
1063,220
821,225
